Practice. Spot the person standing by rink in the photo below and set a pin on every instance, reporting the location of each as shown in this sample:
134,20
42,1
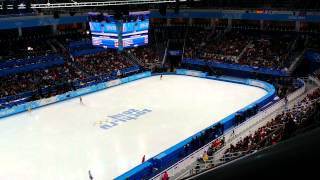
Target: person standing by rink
143,158
29,108
286,103
165,176
90,175
81,102
119,73
160,76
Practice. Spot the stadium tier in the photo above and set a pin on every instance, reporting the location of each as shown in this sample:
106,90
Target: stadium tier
155,90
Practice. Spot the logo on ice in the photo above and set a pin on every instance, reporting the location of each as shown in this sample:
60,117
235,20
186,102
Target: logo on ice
114,120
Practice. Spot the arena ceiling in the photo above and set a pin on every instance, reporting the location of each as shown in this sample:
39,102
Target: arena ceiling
83,3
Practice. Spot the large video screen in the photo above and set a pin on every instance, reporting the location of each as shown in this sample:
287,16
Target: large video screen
134,32
103,30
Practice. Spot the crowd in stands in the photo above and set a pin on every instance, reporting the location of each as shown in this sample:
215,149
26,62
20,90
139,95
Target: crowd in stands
205,137
147,55
56,77
106,63
199,41
74,37
103,63
216,145
282,127
36,80
271,51
59,79
264,49
16,63
24,49
268,51
196,40
226,49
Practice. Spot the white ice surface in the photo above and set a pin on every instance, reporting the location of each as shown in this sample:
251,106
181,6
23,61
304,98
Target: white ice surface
61,142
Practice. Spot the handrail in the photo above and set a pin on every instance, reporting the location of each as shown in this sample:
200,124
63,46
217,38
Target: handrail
165,54
296,61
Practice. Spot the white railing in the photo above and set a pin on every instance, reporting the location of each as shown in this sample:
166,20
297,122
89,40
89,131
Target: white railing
232,135
315,80
165,54
213,162
296,61
259,119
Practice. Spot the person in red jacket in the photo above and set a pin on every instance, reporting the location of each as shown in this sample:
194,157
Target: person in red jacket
143,158
165,176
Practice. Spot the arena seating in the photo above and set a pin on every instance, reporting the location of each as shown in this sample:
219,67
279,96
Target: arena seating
82,47
103,63
38,83
271,51
100,65
282,127
256,39
24,48
257,49
147,55
227,49
279,128
196,40
29,67
13,66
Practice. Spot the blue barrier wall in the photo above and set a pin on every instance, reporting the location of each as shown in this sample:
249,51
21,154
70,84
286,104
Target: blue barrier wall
312,56
237,67
173,154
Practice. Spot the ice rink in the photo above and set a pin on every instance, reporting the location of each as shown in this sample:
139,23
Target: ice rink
63,141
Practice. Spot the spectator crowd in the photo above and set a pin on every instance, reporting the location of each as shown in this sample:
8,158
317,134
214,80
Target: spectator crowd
285,125
281,127
263,49
45,82
103,63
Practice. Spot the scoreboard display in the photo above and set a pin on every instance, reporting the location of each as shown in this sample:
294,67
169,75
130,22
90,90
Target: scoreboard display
135,33
105,41
107,32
